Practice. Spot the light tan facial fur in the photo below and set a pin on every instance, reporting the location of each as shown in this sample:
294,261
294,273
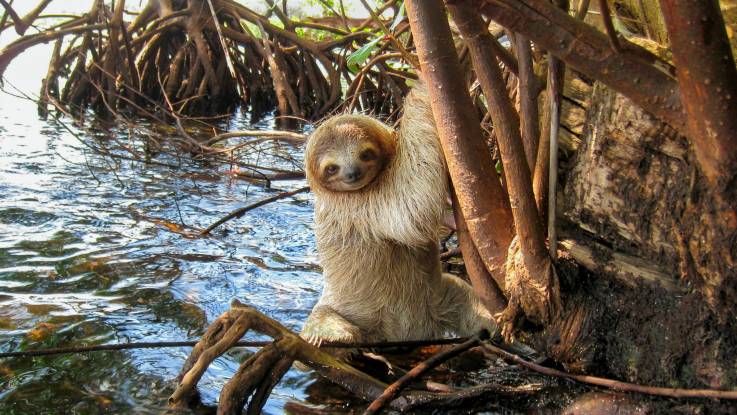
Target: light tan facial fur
348,153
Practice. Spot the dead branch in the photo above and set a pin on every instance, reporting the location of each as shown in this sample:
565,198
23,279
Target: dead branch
612,384
392,390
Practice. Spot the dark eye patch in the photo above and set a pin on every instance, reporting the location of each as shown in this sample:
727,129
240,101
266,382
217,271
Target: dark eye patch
331,169
367,155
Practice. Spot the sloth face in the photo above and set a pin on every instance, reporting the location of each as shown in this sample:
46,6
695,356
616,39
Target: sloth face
350,167
348,153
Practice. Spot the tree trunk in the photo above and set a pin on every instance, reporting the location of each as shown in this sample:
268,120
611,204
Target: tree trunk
638,215
533,286
481,197
708,80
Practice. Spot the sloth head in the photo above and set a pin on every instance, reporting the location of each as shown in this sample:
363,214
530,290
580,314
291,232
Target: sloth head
347,153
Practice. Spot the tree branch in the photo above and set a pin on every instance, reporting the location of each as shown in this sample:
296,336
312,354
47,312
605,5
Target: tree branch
587,50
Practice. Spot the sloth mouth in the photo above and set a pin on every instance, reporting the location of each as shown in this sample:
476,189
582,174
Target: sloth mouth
353,179
354,183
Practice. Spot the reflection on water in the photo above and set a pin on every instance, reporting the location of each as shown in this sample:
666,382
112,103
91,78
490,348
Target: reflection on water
81,262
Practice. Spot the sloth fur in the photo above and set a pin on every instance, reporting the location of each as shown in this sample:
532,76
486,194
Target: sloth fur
377,236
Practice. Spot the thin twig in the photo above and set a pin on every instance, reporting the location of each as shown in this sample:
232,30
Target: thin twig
405,54
554,89
420,369
226,51
613,384
610,31
241,211
167,344
289,136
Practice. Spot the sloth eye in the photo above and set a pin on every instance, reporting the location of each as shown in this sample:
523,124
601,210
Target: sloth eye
367,155
331,169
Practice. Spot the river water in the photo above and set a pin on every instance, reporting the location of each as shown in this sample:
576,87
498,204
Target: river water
91,253
86,258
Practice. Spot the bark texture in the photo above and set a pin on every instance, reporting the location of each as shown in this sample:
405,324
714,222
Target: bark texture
657,299
531,283
637,184
483,202
708,80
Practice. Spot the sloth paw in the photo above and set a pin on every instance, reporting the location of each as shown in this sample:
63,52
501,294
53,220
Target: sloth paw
316,335
508,321
329,328
326,325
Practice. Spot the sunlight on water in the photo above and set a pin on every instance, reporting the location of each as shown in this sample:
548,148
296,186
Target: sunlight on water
81,262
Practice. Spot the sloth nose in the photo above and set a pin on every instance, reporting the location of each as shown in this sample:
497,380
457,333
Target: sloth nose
354,174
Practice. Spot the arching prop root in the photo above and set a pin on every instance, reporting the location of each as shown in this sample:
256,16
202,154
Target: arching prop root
258,375
208,57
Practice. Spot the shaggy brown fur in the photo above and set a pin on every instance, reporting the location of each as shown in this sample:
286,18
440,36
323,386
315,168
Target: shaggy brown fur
379,202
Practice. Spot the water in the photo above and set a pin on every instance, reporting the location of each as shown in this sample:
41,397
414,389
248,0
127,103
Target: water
85,258
90,253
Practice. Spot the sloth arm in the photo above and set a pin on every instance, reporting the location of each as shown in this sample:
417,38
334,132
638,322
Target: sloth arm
415,199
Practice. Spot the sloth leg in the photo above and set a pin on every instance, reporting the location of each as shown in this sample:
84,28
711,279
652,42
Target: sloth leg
468,315
325,325
462,310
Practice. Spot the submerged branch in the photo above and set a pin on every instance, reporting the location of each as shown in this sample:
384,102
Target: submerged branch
241,211
422,368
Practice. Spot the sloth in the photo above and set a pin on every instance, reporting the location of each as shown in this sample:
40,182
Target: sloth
380,198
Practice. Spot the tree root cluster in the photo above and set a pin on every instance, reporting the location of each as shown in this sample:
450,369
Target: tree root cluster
195,57
254,380
256,377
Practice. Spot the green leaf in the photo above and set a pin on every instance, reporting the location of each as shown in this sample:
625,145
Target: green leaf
251,28
398,18
358,57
